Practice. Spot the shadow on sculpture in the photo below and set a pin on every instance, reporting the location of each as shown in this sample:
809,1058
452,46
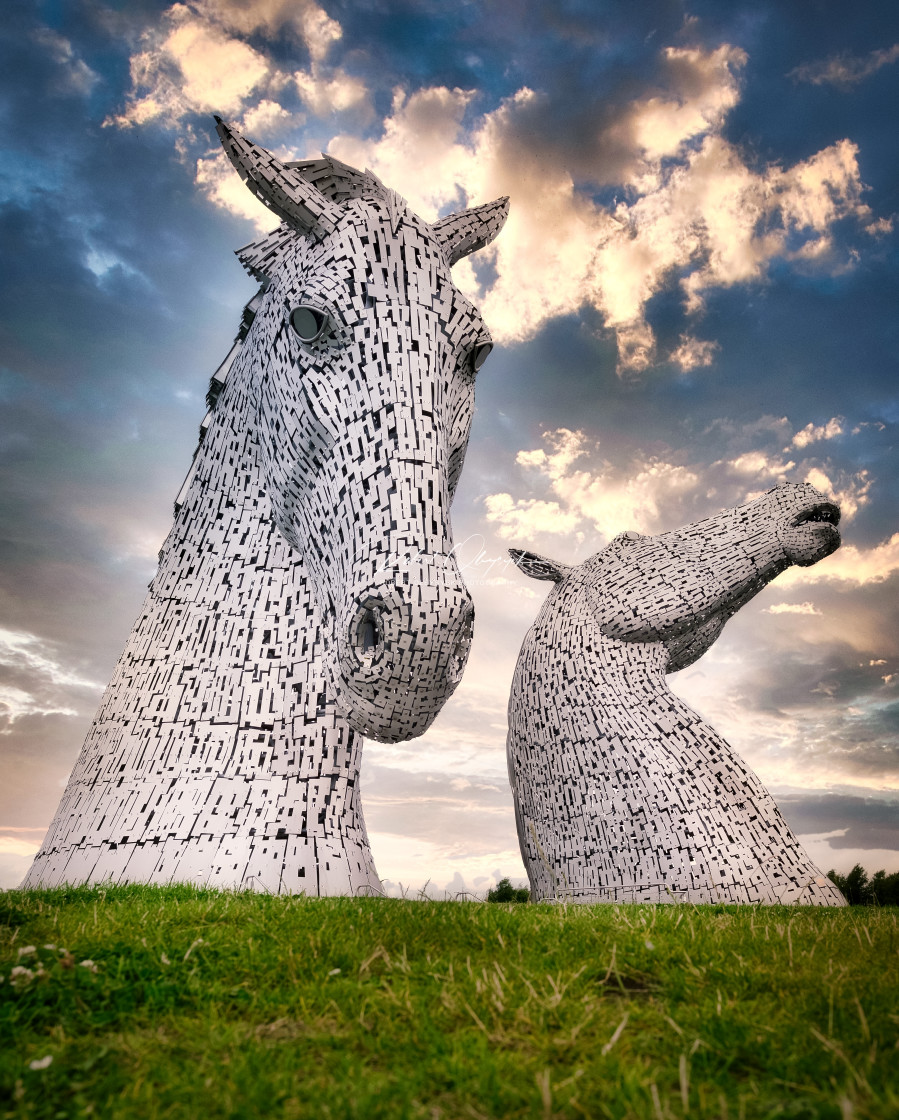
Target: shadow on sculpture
621,791
307,592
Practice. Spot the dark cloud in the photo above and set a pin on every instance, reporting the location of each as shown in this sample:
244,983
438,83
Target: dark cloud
869,822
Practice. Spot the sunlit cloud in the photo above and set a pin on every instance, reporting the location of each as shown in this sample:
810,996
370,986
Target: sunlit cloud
216,178
811,433
197,62
648,493
850,565
693,353
268,117
792,608
189,65
696,210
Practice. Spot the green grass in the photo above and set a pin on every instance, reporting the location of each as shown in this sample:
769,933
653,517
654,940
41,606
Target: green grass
208,1005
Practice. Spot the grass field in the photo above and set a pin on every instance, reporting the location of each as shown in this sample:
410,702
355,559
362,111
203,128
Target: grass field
144,1002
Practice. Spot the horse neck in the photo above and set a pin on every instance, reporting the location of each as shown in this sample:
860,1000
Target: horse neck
567,650
226,564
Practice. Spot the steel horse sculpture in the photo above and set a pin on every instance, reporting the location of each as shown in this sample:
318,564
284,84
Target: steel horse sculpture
621,791
307,593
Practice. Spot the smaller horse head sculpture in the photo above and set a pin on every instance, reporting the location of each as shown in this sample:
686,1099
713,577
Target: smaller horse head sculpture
621,791
365,356
679,588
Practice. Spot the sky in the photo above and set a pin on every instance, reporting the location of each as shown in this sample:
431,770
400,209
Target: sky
693,299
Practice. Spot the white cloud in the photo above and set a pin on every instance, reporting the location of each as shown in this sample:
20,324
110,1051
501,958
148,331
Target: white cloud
760,465
660,126
850,565
306,18
693,353
569,489
48,682
603,498
216,178
811,433
524,518
191,65
268,116
15,846
197,61
850,492
694,207
695,211
329,92
18,647
419,152
792,608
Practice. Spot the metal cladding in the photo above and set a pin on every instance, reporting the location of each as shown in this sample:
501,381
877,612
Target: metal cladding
307,592
621,791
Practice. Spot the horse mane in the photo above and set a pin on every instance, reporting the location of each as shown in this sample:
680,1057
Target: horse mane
338,182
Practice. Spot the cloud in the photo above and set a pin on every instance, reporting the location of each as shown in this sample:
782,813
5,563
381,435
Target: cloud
525,518
602,498
850,565
216,178
845,70
33,681
74,74
693,353
856,821
305,17
695,213
267,117
792,608
190,65
419,150
650,493
196,61
703,90
811,433
325,93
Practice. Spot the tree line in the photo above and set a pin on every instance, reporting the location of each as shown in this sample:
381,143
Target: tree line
880,890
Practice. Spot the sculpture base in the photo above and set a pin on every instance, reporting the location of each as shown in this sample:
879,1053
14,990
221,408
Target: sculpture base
817,891
291,864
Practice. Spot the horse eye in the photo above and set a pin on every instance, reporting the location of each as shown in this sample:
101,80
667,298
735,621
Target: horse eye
479,354
308,322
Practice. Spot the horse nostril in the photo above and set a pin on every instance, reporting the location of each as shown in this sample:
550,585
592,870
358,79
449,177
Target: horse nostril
367,635
461,647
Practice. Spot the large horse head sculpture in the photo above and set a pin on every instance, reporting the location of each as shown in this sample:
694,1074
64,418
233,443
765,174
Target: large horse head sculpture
365,356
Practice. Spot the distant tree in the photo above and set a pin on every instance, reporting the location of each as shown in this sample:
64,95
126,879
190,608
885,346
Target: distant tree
505,892
884,888
859,890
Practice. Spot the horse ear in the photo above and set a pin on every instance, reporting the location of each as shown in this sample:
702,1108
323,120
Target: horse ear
539,567
470,230
280,187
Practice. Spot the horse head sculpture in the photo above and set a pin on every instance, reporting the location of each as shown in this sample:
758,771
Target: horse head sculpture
621,791
307,591
365,359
